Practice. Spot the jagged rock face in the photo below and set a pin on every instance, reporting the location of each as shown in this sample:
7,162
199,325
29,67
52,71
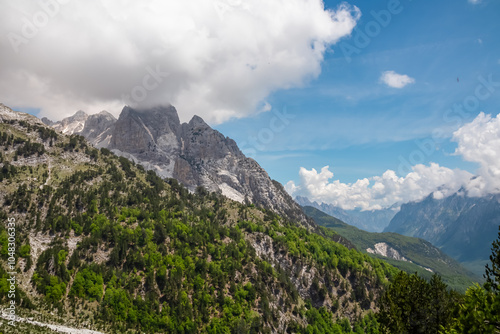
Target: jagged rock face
193,153
47,121
149,137
138,132
98,129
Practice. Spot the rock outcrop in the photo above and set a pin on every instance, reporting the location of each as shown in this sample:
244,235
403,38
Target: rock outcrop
382,248
98,129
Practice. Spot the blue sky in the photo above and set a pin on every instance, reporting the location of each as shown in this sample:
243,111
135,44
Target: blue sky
360,127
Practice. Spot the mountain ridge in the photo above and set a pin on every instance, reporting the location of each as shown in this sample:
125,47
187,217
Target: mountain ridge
192,152
371,221
463,227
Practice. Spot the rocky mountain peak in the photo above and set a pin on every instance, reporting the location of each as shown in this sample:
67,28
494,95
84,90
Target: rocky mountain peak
197,121
72,124
79,115
160,118
105,114
98,129
47,121
147,133
193,153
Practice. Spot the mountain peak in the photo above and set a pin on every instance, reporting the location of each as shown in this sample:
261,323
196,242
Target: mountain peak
160,118
47,121
80,114
106,114
193,153
198,122
72,124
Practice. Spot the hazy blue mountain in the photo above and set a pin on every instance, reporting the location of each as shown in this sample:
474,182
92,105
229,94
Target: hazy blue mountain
463,227
371,221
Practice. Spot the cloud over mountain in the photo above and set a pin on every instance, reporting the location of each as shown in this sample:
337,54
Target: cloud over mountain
379,191
62,56
478,141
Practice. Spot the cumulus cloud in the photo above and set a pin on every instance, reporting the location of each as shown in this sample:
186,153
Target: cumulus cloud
218,59
395,80
479,141
379,192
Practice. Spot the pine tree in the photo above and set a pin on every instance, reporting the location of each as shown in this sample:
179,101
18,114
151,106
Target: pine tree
493,273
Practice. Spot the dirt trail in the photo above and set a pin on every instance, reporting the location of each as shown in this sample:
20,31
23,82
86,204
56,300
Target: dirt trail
57,328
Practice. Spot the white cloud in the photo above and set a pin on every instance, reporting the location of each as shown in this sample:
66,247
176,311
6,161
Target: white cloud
479,141
395,80
223,57
475,2
379,192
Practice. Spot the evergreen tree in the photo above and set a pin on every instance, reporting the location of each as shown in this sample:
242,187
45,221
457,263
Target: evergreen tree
493,273
413,305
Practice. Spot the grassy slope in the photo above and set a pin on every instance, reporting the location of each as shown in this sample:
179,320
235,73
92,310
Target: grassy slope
420,252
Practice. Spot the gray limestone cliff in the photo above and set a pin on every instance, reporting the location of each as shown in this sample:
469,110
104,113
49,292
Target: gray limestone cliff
193,153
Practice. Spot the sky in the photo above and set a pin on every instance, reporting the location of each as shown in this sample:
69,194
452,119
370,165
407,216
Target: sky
361,104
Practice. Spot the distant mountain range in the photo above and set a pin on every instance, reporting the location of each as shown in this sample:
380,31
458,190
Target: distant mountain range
193,153
406,253
463,227
371,221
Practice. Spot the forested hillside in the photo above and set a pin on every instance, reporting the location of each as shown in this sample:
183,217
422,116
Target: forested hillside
103,244
406,253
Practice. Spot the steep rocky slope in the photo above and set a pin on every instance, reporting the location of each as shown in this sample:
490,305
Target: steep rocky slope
193,153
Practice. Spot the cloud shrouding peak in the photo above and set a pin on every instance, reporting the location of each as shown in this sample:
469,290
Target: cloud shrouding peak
218,59
479,141
378,192
395,80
